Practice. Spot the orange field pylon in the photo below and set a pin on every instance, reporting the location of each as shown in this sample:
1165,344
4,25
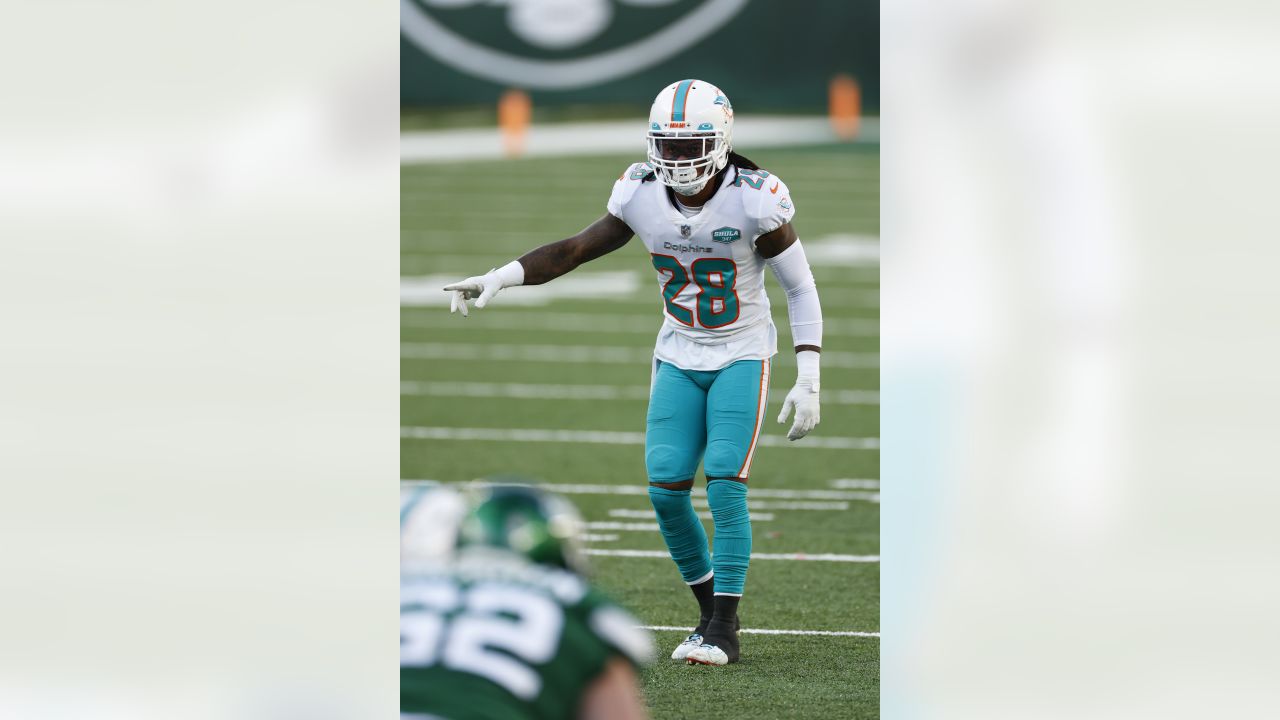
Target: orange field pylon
844,106
515,109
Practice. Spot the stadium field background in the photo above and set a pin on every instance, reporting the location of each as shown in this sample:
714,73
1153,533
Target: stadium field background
550,384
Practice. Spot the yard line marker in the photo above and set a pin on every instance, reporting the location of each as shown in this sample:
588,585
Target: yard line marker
590,537
525,390
647,324
526,353
581,353
816,557
612,437
753,505
628,526
648,515
428,290
765,631
642,489
855,484
538,391
608,525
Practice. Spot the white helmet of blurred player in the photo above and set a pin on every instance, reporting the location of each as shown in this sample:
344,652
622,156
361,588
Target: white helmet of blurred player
690,134
429,521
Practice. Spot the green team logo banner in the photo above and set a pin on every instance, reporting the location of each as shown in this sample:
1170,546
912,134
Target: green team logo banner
458,52
548,27
726,234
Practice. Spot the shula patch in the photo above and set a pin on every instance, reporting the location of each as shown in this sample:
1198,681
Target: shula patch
726,234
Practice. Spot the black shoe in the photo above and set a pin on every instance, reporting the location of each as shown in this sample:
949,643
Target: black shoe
719,644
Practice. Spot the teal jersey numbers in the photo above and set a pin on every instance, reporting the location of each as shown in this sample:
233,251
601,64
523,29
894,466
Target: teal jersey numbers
754,178
717,300
679,278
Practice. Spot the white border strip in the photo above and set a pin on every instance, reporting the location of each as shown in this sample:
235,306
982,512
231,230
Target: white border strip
766,631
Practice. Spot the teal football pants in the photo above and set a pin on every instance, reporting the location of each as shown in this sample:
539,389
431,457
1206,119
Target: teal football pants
714,417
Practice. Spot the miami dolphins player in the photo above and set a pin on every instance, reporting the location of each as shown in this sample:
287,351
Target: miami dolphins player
711,221
509,630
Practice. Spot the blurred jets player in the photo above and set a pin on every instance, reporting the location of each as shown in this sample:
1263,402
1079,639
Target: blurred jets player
711,221
510,630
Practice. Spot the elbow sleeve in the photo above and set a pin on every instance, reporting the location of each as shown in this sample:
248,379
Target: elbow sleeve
791,267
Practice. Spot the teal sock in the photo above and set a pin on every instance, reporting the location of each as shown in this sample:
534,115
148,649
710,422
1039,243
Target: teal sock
683,532
732,544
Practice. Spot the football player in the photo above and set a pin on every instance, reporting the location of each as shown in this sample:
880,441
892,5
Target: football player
711,221
509,630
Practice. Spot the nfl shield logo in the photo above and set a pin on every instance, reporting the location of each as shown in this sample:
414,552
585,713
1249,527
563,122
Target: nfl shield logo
685,231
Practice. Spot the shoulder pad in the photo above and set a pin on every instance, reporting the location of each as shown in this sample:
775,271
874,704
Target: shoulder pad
765,200
638,171
625,187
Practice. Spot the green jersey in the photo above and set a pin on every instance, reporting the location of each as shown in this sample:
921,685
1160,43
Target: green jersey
506,639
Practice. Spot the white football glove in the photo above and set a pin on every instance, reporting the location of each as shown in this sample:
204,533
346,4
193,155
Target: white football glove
803,398
483,287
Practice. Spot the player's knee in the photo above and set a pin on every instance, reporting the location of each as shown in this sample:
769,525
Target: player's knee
728,502
723,459
665,463
669,504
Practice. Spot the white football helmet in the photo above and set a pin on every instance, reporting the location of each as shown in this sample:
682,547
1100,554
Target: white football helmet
429,521
690,134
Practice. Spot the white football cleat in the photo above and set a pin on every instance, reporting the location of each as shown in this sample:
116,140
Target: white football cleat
682,650
707,655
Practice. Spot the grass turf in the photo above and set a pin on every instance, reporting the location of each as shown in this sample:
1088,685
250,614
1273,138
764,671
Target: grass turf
461,219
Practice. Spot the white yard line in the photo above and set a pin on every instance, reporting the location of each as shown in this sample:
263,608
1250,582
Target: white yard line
538,391
427,290
605,537
698,492
581,353
613,437
790,504
855,484
816,557
652,526
764,631
648,515
622,526
595,323
525,390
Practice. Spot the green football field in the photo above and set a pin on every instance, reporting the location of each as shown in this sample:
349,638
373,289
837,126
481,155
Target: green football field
554,388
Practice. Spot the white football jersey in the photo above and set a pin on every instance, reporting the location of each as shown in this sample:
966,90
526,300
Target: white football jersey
709,275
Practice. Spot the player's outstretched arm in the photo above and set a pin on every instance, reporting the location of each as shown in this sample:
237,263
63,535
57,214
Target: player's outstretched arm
782,251
542,264
555,259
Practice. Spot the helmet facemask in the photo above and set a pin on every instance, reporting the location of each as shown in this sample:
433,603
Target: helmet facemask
685,162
